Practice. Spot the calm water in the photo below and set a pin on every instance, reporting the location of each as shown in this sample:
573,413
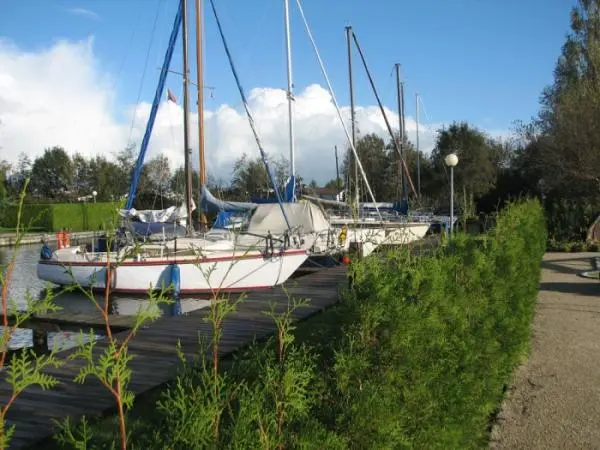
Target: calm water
25,282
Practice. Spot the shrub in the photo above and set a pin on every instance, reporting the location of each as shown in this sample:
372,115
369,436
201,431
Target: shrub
437,337
57,216
569,219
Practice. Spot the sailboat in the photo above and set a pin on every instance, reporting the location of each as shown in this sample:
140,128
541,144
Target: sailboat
200,263
366,231
307,219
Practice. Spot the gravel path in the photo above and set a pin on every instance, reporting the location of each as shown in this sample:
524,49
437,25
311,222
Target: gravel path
554,401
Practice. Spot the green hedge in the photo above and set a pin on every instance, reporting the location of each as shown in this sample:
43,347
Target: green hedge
435,339
57,216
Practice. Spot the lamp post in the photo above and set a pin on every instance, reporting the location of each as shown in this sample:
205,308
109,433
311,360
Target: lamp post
94,193
451,161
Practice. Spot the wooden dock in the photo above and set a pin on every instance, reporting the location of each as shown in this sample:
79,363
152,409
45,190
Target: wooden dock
10,239
154,357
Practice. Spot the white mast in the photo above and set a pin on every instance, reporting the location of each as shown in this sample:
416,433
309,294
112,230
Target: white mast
418,149
290,94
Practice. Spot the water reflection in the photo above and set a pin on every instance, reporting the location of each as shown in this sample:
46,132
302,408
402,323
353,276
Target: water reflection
57,340
25,283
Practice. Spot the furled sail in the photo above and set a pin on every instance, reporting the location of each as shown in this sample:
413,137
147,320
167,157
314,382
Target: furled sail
172,214
210,203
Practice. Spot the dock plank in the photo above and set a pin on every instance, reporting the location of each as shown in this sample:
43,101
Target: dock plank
154,358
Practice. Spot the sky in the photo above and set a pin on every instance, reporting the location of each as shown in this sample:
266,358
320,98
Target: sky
82,73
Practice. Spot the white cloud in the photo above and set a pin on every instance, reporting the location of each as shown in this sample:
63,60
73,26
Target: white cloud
61,96
86,13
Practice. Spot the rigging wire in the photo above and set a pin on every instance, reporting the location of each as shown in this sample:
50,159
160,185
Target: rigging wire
429,120
250,45
388,126
249,114
424,109
118,74
333,98
144,71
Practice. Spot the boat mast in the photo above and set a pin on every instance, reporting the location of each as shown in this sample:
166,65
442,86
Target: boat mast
290,97
407,177
418,154
337,170
405,184
200,101
352,112
186,122
400,131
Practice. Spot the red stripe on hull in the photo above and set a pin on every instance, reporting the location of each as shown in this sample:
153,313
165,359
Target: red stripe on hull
188,291
163,262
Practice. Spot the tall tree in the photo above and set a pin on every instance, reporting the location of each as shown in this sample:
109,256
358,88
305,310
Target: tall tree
52,174
578,60
22,171
106,179
476,171
125,163
410,157
155,182
82,175
250,176
567,127
5,168
177,184
375,160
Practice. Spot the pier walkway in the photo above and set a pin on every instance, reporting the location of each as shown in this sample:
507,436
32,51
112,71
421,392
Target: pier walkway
155,359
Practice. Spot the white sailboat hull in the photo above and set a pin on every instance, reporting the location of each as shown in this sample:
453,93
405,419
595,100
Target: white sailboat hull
233,272
372,235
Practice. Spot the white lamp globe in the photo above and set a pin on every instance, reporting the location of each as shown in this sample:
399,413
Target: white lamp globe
94,193
451,160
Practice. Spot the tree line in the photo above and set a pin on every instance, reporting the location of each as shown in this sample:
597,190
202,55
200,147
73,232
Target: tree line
55,176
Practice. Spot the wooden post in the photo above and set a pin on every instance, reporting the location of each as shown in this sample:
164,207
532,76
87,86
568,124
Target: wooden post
40,341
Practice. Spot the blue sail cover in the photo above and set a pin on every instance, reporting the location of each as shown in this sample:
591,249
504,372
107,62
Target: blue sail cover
209,203
290,190
157,229
231,219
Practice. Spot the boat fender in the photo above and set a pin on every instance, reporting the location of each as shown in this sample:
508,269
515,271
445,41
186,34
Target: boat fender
45,252
286,240
176,283
343,235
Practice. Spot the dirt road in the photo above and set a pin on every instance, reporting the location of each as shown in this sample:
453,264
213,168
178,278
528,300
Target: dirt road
554,400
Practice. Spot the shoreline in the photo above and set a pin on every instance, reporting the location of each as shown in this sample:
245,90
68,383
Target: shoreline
9,239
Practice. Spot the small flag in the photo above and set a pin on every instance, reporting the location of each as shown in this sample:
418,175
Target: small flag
171,96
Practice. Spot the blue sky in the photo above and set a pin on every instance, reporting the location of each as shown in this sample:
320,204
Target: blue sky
485,61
